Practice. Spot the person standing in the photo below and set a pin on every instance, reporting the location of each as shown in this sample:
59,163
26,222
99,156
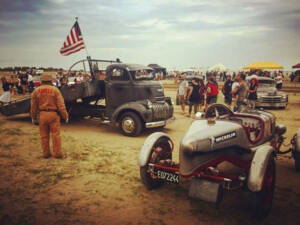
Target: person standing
6,95
48,101
227,88
182,92
252,92
212,91
202,93
242,92
30,83
235,91
194,96
23,78
278,80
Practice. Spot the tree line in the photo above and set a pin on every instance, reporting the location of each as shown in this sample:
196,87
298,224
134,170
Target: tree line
27,68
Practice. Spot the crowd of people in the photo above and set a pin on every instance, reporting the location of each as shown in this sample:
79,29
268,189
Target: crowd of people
236,91
16,84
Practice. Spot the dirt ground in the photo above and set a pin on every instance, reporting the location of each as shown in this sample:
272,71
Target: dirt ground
99,182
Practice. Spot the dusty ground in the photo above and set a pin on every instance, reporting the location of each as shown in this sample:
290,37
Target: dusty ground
99,183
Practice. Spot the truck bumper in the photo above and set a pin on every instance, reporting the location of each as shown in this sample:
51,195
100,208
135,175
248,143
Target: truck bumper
159,123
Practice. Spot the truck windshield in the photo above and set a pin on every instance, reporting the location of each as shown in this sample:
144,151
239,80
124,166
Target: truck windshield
141,75
266,84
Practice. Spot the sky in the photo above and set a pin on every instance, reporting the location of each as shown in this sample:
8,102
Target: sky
176,34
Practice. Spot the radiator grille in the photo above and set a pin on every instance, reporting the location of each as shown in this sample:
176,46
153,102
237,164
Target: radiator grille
161,111
271,99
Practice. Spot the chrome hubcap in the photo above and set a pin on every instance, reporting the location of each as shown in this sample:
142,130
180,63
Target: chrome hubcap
128,125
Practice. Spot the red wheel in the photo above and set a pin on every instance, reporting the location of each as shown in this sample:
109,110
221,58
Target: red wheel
263,200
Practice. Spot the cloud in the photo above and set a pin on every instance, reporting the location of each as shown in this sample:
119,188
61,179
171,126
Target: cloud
171,31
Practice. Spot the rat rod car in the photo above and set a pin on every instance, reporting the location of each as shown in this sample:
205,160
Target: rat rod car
248,140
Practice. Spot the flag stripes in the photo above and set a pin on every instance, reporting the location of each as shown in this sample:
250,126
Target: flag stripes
74,41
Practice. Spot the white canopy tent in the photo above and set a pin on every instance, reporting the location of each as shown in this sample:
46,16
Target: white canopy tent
218,68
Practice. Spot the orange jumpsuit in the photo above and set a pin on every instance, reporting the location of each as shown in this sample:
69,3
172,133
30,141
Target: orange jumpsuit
48,101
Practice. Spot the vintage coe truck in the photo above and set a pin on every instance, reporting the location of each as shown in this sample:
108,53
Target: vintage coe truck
127,98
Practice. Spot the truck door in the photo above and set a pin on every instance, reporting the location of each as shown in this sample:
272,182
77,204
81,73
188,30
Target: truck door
118,89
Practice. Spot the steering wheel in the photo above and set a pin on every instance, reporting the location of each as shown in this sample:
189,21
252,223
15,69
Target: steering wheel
218,111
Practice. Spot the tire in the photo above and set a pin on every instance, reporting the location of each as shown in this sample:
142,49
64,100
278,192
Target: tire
297,161
146,178
130,124
263,199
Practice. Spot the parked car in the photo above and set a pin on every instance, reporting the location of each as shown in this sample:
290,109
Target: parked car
268,95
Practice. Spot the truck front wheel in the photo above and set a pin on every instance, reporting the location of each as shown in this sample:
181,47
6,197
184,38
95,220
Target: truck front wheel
130,124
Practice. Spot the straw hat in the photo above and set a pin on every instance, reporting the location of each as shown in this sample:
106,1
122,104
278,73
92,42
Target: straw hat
46,77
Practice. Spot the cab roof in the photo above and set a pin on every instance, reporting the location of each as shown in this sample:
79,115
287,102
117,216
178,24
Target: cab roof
130,67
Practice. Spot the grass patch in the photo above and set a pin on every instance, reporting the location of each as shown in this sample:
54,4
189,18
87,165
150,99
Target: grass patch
38,171
8,146
16,164
79,156
12,131
5,192
3,155
46,177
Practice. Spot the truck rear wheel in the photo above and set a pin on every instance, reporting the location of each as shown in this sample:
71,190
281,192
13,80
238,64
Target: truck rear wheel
130,124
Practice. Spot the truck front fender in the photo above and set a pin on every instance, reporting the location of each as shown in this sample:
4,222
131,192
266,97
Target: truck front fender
131,106
258,167
148,145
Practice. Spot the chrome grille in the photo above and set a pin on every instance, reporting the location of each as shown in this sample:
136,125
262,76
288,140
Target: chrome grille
160,99
160,111
270,99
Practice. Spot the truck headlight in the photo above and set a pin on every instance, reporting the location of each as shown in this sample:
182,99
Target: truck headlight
149,104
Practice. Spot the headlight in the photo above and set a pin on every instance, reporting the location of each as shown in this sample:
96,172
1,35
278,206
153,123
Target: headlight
149,104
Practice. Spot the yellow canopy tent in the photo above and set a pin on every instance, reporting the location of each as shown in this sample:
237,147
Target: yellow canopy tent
263,65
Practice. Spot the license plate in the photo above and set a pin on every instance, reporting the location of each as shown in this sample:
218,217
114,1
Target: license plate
168,176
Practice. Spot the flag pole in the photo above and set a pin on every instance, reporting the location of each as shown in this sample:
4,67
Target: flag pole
87,54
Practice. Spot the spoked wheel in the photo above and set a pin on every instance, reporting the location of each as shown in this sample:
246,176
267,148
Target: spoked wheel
297,161
263,199
162,150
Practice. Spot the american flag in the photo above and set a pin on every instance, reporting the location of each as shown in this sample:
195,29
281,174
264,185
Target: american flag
74,41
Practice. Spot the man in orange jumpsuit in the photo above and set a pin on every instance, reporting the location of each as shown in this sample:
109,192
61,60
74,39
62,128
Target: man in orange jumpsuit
48,101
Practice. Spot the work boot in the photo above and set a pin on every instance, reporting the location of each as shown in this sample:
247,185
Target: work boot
46,156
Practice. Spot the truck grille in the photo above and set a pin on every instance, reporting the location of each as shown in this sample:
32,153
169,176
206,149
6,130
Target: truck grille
271,99
161,111
160,99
